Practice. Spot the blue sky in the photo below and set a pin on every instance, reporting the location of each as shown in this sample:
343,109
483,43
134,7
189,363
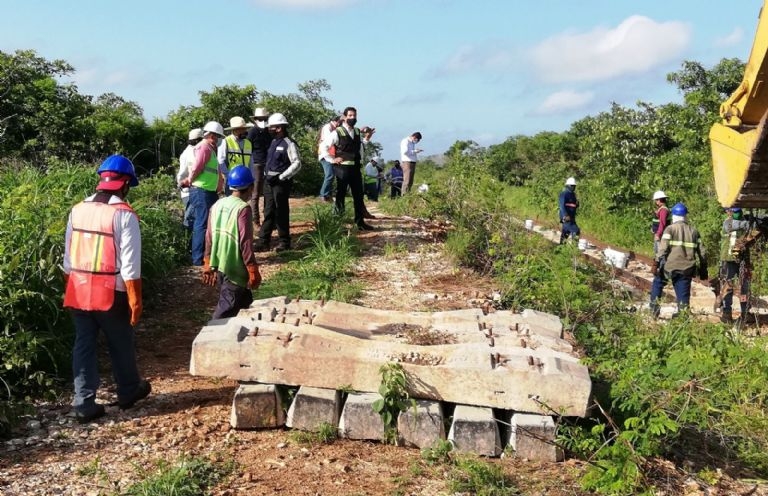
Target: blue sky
481,70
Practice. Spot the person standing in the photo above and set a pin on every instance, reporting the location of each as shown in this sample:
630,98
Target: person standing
679,250
282,164
395,178
735,270
185,160
347,141
236,149
205,184
568,205
408,153
102,274
229,258
260,140
661,218
371,178
326,190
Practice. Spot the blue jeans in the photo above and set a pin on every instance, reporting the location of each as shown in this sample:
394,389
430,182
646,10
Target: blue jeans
232,298
326,190
680,282
187,222
116,325
200,203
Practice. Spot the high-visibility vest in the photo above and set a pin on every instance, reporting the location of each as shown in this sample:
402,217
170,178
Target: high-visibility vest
349,146
209,178
93,256
236,156
656,221
225,240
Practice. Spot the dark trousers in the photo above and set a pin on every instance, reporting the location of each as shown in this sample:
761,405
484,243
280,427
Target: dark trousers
681,282
569,228
731,277
258,191
395,190
372,191
115,323
232,298
276,213
349,175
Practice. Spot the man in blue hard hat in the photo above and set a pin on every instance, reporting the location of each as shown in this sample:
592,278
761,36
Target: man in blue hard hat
734,265
102,280
679,250
229,258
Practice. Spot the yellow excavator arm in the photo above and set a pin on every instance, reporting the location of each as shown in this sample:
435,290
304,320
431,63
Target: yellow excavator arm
739,142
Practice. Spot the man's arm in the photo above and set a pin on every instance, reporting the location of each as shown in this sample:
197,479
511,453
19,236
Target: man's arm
325,146
293,156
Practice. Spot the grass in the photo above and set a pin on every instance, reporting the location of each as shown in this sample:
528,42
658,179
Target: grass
186,477
326,433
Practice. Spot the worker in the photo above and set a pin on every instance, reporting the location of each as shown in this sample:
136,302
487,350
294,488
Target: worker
185,160
229,258
282,164
661,218
371,178
102,273
735,269
679,250
205,184
394,177
408,157
568,204
326,190
260,140
236,149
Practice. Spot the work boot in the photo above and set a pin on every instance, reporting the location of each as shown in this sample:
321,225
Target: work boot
727,316
655,311
261,245
141,392
85,416
282,247
365,227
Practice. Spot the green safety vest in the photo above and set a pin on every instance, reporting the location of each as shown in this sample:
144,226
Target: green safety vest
209,178
728,242
342,151
225,240
236,156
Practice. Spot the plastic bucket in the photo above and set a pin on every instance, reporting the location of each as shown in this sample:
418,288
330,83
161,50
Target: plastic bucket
583,244
529,224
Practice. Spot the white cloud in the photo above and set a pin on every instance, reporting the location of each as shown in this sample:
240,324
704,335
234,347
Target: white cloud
493,55
634,46
730,39
303,4
564,101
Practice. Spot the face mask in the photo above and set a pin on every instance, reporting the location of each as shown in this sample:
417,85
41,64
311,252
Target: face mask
218,141
241,136
351,122
273,132
261,124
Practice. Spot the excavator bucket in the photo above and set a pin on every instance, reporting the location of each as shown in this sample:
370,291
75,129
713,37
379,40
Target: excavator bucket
740,164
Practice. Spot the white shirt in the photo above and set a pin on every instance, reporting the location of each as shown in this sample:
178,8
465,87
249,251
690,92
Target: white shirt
127,236
407,150
333,140
187,156
371,170
325,133
293,156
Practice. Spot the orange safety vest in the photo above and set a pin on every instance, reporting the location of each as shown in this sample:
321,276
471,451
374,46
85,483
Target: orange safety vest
93,256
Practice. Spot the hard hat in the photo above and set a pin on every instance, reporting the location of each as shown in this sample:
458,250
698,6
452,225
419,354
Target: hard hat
277,119
571,181
376,159
260,112
240,177
214,127
114,170
679,209
196,133
238,122
735,210
659,195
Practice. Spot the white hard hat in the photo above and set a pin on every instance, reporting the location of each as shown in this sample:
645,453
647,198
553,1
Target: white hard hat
571,181
214,127
277,119
196,133
260,112
376,159
659,195
238,122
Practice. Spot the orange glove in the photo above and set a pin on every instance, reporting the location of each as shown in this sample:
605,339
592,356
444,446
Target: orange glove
134,299
254,276
209,275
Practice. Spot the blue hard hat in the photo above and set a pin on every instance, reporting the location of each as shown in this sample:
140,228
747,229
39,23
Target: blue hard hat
120,165
240,177
736,210
679,209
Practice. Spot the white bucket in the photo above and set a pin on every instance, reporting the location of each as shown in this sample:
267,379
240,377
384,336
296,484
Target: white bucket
583,244
615,258
529,224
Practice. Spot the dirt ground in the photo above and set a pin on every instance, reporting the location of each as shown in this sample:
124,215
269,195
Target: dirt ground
403,267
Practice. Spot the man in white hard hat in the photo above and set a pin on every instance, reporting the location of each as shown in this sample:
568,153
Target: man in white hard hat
205,184
282,164
185,160
661,218
236,149
373,173
568,204
260,141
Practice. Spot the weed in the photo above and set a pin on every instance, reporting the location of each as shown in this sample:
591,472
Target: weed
395,250
187,477
326,433
439,453
473,476
394,398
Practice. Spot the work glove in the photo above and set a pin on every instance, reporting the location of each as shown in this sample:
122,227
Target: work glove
254,276
209,275
133,288
273,180
566,218
703,273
